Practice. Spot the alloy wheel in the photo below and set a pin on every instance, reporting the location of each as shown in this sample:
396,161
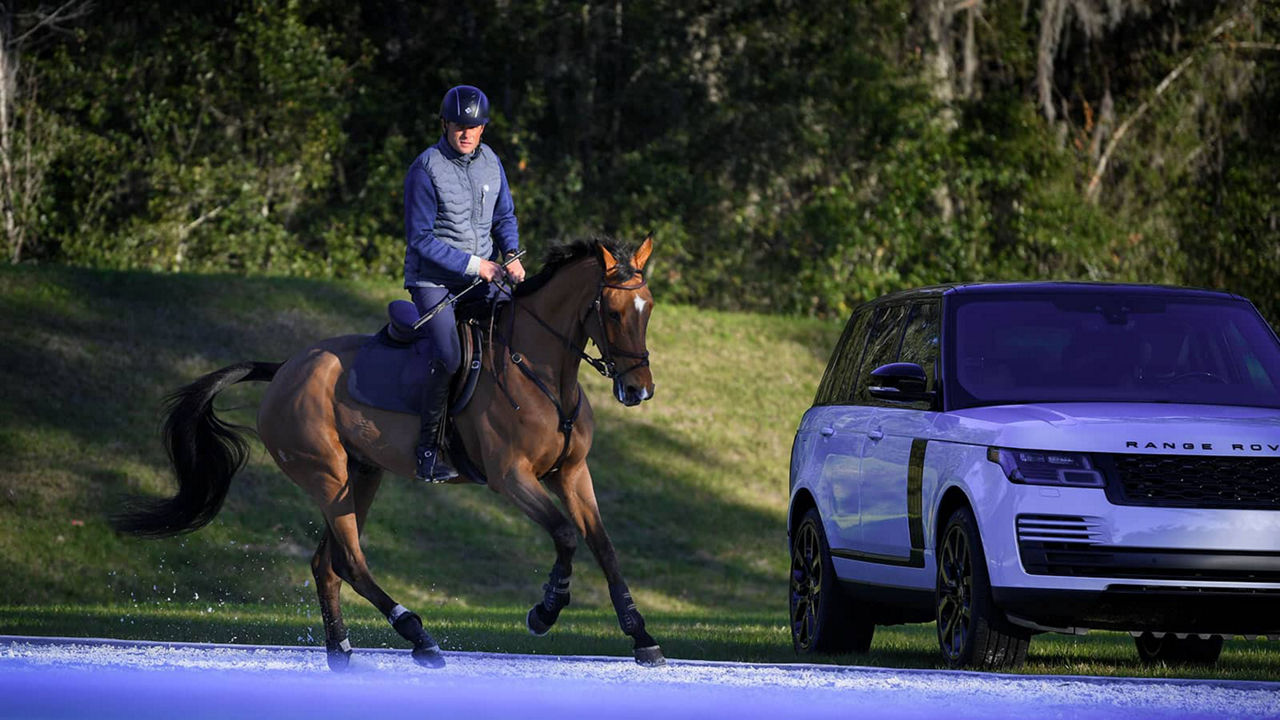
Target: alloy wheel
955,593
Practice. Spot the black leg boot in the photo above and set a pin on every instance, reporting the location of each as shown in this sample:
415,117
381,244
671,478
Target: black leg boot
432,465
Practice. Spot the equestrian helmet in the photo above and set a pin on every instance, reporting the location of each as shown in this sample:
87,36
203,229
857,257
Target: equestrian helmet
465,105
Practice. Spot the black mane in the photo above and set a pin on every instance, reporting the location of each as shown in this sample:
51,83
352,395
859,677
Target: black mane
558,256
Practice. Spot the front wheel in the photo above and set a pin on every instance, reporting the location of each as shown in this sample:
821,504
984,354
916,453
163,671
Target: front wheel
1173,650
972,632
823,618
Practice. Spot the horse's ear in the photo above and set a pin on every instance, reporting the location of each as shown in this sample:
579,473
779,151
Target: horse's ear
609,261
641,256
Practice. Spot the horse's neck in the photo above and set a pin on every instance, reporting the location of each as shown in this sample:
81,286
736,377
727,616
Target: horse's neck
562,304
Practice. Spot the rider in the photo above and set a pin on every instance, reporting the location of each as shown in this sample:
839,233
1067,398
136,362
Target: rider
458,218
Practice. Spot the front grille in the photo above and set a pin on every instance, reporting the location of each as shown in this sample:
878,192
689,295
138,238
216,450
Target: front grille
1192,481
1082,560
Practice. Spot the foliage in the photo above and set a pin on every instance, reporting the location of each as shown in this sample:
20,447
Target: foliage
794,157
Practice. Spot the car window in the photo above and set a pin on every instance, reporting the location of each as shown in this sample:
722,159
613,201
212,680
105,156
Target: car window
838,381
921,338
1109,347
884,339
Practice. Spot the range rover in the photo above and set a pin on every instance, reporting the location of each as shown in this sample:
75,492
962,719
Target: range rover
1009,459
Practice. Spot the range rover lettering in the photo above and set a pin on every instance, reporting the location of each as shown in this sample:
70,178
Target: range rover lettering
1012,459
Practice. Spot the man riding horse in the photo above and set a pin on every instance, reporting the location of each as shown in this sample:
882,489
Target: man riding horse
457,207
526,429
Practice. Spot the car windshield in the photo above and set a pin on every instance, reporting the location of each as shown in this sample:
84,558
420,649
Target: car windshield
1110,346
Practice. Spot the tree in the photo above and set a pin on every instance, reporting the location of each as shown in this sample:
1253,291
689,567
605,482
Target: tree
27,135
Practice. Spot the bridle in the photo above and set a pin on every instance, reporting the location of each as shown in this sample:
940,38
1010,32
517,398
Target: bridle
605,364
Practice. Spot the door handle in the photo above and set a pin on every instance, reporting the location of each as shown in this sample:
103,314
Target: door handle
827,431
875,434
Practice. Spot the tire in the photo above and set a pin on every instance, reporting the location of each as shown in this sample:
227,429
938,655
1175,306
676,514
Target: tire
823,617
972,631
1173,650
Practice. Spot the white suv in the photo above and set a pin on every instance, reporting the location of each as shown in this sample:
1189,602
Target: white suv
1009,459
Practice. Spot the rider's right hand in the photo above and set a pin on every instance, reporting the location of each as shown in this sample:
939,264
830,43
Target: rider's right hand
491,271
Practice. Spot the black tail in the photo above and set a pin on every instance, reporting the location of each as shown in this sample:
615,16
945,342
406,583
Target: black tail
205,453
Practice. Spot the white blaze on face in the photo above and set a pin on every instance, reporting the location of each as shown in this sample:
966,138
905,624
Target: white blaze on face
640,304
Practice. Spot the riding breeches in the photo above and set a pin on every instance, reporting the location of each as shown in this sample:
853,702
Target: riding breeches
441,330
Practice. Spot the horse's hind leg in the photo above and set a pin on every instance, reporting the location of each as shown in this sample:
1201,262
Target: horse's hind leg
336,644
365,479
346,505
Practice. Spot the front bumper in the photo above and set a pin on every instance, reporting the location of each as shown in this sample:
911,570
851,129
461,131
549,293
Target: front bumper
1068,558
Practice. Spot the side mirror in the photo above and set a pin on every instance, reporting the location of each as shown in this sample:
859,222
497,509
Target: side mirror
900,382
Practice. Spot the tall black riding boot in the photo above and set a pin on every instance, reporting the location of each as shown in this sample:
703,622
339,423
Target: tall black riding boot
432,465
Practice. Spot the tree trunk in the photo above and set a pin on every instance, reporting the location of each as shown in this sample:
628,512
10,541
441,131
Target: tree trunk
8,101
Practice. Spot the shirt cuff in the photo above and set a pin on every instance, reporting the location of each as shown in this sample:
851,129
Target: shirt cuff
473,265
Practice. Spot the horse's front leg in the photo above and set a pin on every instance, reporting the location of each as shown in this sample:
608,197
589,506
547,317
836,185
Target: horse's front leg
527,493
573,485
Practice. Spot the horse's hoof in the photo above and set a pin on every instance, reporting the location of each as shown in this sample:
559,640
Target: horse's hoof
338,655
429,656
650,657
338,660
537,628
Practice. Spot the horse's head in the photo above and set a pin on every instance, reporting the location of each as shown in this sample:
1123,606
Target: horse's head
621,322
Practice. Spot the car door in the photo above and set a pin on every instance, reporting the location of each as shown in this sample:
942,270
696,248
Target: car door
847,441
893,459
831,437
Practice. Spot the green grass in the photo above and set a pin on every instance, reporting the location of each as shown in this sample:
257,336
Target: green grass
692,486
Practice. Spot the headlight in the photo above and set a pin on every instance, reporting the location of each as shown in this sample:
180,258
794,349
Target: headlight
1039,467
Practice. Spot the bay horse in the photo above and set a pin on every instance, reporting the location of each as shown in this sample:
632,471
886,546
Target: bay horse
528,427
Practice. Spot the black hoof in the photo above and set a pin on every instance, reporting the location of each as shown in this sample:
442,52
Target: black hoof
338,660
429,656
537,628
650,657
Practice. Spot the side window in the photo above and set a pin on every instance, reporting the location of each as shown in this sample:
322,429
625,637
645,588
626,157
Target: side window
920,341
883,341
837,382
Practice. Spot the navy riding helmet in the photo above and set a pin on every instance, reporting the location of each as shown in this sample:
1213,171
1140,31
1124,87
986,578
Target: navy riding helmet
465,105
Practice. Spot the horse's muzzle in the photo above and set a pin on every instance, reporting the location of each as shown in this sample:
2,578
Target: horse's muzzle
630,394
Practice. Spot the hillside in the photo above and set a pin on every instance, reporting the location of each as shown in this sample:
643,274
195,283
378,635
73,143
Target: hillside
692,484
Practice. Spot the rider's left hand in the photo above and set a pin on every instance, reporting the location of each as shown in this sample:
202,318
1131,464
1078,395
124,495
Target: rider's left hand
515,271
